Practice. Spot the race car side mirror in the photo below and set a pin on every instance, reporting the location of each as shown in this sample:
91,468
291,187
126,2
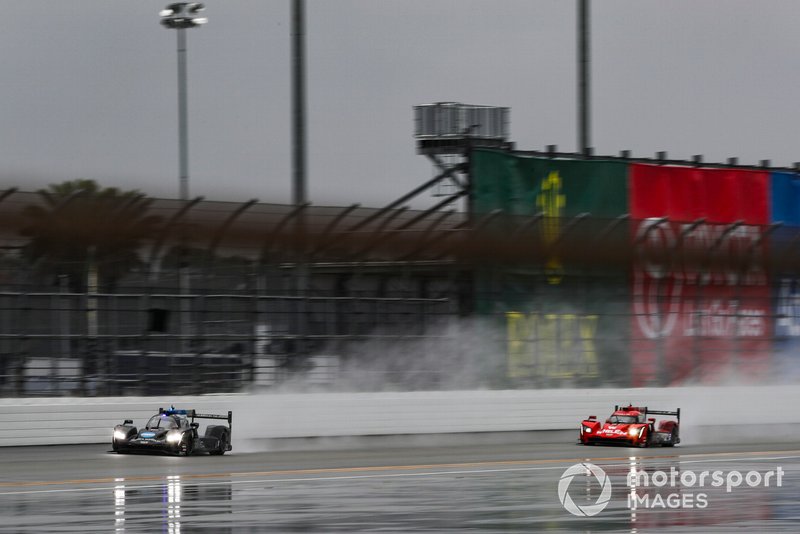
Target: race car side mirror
195,425
651,419
128,422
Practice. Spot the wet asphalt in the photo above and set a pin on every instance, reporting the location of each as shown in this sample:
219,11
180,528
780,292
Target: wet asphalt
370,487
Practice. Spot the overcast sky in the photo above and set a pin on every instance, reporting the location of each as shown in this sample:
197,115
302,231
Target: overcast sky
89,88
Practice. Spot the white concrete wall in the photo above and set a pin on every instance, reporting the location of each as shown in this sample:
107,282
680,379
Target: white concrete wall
770,409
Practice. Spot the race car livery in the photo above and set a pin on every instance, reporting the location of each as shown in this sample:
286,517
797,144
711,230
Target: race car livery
174,432
631,426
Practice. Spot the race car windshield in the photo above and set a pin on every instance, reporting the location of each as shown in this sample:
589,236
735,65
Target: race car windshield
160,421
622,419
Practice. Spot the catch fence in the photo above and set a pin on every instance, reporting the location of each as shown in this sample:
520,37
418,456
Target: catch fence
225,297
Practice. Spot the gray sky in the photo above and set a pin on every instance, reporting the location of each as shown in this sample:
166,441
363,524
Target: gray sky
88,88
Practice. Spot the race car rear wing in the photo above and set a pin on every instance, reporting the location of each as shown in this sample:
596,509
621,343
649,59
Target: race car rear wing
646,411
194,415
676,413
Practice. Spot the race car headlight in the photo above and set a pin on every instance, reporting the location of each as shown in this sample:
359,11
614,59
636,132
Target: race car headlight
119,434
641,431
587,430
633,431
173,437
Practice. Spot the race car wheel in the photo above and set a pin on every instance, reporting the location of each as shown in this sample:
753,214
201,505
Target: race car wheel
186,446
673,438
222,445
120,448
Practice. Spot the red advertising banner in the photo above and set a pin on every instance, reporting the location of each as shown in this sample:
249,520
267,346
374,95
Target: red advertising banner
701,298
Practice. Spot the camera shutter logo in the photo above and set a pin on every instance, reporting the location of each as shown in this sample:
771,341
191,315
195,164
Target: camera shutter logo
589,509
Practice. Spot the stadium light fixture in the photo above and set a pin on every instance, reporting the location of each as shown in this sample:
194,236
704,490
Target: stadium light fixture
180,16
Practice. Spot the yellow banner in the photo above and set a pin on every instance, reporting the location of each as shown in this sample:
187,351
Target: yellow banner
551,345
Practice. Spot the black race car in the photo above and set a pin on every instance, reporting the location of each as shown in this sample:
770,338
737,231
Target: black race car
174,432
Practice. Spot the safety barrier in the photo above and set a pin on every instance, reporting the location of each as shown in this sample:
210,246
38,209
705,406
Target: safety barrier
745,412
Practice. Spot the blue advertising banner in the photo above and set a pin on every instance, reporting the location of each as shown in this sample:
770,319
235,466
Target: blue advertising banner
785,209
785,198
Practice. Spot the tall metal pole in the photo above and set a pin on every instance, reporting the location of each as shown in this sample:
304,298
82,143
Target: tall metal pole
584,93
180,16
299,195
298,103
184,327
183,120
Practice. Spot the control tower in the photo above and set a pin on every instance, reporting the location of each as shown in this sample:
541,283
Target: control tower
445,131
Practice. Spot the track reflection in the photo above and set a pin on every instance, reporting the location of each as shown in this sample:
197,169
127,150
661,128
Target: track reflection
172,504
488,496
119,505
690,494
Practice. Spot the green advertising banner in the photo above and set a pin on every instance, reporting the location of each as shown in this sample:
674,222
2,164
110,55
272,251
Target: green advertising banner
524,185
557,327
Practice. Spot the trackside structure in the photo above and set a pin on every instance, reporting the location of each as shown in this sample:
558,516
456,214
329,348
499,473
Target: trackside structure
557,269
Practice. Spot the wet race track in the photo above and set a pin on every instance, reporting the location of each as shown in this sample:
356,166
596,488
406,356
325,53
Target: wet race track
486,488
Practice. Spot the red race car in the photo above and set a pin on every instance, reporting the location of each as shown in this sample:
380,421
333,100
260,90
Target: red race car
631,426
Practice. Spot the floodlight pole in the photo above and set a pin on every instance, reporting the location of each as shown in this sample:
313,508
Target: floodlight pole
299,194
183,185
183,118
298,103
179,16
584,82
